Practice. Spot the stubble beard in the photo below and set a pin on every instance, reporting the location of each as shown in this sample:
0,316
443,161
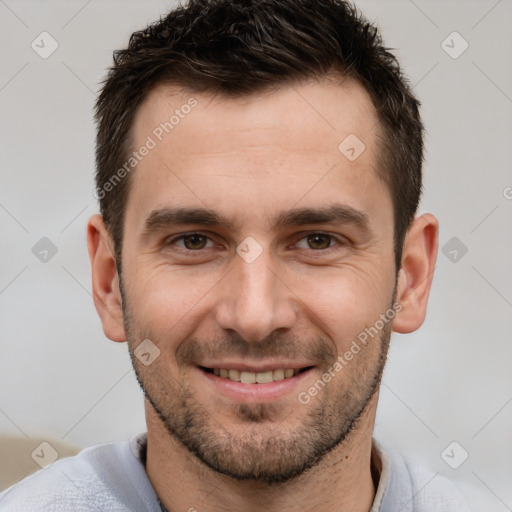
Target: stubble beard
260,447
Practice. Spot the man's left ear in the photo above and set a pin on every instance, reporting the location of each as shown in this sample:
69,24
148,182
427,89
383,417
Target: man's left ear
416,272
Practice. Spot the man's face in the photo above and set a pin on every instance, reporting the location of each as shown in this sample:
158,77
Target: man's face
276,289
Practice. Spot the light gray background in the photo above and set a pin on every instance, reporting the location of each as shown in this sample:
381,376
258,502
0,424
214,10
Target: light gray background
449,381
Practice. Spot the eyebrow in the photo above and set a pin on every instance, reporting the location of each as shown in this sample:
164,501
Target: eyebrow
336,213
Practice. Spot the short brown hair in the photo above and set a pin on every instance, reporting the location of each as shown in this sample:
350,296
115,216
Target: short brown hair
240,47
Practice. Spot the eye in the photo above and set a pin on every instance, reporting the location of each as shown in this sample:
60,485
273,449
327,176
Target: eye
195,242
192,241
318,241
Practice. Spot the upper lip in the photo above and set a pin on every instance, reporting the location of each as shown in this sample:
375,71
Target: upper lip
258,367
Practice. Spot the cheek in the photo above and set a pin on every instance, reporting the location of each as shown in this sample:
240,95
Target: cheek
164,301
169,304
345,301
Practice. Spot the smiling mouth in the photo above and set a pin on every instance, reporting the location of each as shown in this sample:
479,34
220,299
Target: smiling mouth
245,377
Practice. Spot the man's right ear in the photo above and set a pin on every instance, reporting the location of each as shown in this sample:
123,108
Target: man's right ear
105,280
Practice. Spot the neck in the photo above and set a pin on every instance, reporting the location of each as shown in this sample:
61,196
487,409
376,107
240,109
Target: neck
342,480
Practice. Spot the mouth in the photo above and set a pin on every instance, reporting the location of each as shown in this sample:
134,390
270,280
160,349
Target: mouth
261,385
247,377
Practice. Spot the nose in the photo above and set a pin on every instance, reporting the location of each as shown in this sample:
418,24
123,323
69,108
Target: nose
255,300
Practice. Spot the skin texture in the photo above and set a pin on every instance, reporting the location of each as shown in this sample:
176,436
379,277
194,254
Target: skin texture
303,299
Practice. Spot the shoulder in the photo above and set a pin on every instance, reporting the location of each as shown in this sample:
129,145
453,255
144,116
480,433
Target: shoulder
104,477
409,487
433,491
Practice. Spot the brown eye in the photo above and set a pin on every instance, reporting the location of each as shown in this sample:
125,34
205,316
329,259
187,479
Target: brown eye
319,241
195,241
191,242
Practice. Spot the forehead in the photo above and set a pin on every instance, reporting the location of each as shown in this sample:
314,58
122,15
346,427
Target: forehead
333,106
245,155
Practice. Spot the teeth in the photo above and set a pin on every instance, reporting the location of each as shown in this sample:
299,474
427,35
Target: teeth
278,375
234,375
264,377
248,377
253,378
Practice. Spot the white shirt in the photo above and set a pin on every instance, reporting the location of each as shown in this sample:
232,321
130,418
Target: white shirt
112,477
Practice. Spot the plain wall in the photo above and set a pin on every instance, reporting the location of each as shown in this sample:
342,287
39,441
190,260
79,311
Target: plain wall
449,381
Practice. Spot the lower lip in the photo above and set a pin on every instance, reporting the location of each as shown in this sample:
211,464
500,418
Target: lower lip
256,393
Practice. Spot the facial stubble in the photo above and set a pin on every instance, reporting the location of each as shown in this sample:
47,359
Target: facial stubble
261,446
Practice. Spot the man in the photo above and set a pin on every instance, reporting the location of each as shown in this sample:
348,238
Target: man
259,172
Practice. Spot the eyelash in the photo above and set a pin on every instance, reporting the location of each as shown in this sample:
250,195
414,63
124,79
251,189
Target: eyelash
306,235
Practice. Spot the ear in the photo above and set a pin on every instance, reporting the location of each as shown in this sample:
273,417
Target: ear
105,281
416,273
